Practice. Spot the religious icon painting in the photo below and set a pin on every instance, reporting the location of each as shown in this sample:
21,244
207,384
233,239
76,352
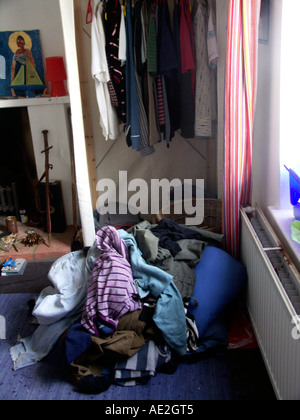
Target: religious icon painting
21,64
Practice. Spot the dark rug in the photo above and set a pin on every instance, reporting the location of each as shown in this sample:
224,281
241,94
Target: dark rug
33,280
215,377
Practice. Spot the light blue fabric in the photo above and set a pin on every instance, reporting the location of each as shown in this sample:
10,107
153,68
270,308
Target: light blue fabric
57,307
169,314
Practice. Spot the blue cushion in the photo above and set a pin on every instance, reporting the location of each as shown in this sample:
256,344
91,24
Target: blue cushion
219,278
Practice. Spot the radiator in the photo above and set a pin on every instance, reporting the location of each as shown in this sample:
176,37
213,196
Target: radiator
273,301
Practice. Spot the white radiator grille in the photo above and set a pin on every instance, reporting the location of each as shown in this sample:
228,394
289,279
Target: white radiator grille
273,300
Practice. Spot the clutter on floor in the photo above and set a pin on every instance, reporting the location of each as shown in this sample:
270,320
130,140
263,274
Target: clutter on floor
136,303
33,238
31,243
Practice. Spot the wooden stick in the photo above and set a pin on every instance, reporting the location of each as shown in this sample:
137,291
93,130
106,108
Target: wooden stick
48,215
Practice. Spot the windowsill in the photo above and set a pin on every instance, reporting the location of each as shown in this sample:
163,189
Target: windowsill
281,221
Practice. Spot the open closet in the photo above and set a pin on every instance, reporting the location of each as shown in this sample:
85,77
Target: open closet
173,151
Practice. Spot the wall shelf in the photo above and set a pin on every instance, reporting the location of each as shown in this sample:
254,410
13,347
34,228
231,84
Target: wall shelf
23,102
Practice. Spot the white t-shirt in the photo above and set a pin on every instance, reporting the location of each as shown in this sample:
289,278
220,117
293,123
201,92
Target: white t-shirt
108,116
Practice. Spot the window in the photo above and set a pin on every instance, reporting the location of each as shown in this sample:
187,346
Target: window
289,95
289,115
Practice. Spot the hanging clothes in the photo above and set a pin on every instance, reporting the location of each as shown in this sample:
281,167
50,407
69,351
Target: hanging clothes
187,82
139,41
205,94
169,70
151,41
112,23
163,116
137,130
132,114
212,45
159,76
99,68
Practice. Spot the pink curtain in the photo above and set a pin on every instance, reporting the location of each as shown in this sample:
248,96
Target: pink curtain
240,95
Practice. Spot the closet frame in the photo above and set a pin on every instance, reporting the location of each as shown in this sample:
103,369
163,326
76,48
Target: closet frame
84,150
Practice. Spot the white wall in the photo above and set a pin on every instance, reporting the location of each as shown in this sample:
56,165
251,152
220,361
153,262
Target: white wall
53,118
32,14
266,146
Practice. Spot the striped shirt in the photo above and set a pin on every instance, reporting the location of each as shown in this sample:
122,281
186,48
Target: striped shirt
111,292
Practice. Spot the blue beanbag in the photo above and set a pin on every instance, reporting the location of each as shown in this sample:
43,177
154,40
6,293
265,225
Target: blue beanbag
215,337
219,278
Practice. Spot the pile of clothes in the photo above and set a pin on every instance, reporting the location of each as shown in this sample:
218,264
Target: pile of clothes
119,308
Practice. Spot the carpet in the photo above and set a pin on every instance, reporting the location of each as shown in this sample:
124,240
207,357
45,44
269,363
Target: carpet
48,380
34,279
208,379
